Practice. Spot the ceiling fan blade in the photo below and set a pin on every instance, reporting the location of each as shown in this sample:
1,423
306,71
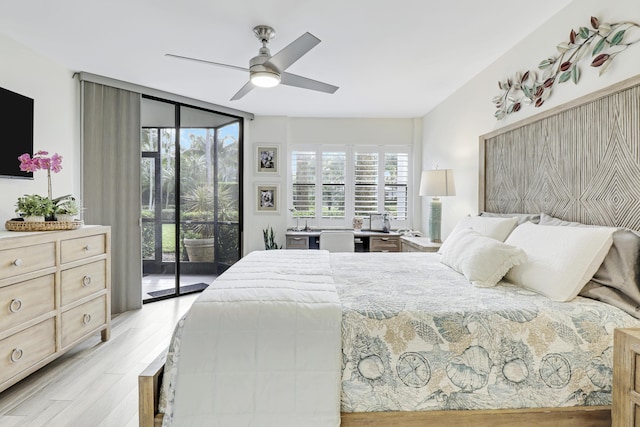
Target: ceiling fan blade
233,67
243,91
294,51
305,83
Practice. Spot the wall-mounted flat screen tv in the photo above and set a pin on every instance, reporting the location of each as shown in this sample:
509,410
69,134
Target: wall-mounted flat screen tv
16,122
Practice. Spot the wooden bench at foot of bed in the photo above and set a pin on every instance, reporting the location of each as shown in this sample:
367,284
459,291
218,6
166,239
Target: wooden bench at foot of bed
579,416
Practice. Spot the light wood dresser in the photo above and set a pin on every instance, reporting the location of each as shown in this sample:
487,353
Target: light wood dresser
55,291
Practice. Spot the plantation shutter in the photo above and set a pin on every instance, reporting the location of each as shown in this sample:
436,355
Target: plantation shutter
396,179
303,170
366,183
333,183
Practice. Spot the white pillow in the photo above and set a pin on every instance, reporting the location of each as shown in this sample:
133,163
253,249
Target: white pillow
497,228
482,260
561,260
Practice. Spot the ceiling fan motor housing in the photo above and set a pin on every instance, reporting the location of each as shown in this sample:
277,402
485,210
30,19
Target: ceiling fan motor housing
261,75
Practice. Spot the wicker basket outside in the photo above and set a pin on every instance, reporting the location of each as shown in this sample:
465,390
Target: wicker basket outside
43,226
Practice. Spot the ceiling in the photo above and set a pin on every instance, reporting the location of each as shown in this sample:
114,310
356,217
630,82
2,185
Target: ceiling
394,59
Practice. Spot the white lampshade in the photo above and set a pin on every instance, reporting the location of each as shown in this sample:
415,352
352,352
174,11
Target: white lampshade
438,182
265,78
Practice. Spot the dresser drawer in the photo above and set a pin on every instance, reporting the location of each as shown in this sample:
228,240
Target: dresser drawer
83,319
23,350
409,248
418,244
82,281
26,300
297,242
82,247
14,262
384,244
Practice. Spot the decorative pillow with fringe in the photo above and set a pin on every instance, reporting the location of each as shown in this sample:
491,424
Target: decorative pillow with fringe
482,260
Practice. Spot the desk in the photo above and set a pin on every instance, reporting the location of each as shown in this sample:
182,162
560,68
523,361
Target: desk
366,241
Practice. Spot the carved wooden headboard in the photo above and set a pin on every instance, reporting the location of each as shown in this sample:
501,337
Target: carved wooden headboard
579,162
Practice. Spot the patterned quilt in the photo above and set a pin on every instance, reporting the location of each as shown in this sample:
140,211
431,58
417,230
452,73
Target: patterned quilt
418,336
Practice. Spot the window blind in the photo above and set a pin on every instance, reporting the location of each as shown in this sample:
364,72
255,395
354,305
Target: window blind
396,180
303,176
366,183
333,184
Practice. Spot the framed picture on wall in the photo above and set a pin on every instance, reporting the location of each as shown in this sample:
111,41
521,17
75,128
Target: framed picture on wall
268,158
267,198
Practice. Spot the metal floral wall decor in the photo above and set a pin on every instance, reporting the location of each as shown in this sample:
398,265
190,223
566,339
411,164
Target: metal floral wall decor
602,41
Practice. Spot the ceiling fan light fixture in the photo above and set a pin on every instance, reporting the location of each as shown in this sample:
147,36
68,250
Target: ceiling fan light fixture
265,78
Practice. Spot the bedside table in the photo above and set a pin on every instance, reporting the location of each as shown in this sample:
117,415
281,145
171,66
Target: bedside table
418,244
626,377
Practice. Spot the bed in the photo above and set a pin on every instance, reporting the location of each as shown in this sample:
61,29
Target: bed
505,355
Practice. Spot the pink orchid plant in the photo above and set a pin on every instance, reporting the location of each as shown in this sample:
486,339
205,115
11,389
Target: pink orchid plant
41,161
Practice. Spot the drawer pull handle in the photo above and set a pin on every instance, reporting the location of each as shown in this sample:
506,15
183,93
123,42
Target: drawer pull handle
16,305
17,262
86,280
16,354
384,239
85,248
86,319
297,238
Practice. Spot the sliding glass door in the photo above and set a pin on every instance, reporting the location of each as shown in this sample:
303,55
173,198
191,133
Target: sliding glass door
191,197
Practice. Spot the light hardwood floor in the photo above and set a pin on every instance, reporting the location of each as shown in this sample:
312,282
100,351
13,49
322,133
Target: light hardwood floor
96,384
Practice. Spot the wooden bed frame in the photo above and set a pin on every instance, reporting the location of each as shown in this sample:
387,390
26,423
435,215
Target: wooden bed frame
586,416
614,109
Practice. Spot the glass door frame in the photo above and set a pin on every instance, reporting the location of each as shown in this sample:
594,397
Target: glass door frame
158,221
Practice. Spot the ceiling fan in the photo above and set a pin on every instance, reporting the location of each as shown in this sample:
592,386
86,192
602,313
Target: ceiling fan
268,71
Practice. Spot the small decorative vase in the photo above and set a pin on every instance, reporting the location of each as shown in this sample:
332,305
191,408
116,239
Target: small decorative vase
357,223
386,227
64,217
34,218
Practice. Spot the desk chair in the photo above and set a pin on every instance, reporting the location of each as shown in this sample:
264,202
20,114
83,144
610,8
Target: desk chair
337,241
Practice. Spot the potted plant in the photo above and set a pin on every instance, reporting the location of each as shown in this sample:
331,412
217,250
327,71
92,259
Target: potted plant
198,212
66,208
41,161
270,239
34,208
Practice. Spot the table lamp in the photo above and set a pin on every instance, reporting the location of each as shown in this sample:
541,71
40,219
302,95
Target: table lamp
436,183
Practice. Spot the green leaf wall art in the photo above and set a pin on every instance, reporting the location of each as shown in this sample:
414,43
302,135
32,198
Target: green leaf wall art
601,42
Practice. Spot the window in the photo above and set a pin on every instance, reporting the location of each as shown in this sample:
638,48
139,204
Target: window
332,184
396,180
303,176
366,184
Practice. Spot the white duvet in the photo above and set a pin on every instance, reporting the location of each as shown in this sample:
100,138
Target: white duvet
271,325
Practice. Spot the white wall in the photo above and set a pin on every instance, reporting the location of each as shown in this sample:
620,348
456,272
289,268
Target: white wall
286,131
56,123
451,130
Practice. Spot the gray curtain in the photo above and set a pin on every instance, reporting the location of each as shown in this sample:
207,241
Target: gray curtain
111,183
